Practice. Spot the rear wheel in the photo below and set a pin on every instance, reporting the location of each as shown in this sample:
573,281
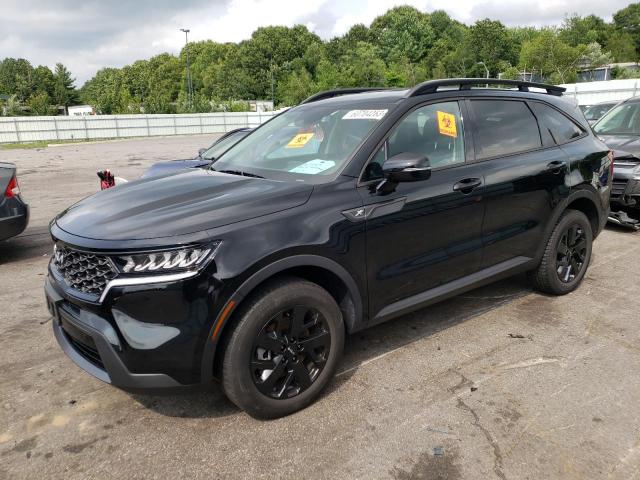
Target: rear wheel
284,349
567,255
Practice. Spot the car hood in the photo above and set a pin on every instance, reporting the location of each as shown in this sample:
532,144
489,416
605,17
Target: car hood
161,168
178,204
622,145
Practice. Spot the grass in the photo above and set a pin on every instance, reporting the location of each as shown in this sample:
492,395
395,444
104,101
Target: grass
46,143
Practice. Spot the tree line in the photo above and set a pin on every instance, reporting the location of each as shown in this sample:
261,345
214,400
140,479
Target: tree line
400,48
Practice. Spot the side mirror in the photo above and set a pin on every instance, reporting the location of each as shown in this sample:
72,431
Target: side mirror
406,167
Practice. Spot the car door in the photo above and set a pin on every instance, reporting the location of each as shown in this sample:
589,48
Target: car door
525,175
424,233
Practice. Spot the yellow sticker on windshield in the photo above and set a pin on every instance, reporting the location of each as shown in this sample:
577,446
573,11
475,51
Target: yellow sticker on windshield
300,140
447,124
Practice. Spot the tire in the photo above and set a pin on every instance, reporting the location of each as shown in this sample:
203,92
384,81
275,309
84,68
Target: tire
553,274
251,358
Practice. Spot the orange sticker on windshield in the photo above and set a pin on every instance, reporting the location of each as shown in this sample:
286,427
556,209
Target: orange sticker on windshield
300,140
447,124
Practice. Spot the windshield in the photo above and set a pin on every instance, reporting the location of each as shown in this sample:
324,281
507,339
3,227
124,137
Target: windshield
621,120
309,143
224,144
594,112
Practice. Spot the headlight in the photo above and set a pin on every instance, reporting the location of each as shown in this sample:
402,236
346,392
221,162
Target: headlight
178,260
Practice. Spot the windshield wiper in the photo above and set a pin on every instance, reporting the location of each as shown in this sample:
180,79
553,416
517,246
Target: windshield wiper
239,172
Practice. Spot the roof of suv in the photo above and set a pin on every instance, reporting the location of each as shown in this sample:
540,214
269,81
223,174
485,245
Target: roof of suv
432,86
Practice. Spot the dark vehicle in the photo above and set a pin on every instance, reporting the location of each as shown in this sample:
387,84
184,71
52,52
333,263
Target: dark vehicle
351,209
620,130
593,113
205,156
14,213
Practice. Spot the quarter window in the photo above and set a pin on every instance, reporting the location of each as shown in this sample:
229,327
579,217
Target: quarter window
554,124
503,128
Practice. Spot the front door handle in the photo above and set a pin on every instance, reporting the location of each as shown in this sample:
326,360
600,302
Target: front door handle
556,166
467,185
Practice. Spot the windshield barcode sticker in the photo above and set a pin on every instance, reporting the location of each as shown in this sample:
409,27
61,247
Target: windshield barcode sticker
364,114
313,167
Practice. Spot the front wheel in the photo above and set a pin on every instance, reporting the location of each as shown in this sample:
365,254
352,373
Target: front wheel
284,349
566,256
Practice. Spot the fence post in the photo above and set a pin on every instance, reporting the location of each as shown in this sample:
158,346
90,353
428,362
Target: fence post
55,125
224,121
175,128
117,128
146,117
200,120
15,126
86,131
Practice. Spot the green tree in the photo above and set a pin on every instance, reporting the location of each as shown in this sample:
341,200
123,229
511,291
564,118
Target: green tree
621,45
64,90
402,33
488,41
550,56
628,20
40,104
577,30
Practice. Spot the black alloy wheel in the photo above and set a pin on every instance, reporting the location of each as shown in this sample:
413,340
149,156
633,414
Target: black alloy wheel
290,352
571,253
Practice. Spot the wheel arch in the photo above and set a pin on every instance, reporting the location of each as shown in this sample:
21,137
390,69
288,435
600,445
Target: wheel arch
584,200
323,271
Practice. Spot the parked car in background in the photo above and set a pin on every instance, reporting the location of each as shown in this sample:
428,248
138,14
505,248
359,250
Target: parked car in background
14,212
619,128
354,208
593,113
205,155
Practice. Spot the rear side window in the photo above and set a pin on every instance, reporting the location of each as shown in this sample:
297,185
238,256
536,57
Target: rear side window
504,127
555,125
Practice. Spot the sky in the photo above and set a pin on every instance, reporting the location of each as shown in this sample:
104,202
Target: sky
87,35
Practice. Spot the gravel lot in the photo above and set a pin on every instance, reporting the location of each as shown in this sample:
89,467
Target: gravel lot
500,383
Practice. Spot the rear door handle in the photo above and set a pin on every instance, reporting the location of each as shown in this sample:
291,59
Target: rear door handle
556,166
467,185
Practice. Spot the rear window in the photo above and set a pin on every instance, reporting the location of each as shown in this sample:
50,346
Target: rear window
554,125
504,127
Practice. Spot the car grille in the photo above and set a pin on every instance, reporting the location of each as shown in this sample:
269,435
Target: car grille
618,187
83,271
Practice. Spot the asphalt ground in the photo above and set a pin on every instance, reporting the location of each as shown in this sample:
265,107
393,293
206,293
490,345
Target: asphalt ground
500,383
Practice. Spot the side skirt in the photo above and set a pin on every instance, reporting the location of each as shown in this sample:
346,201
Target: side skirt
434,295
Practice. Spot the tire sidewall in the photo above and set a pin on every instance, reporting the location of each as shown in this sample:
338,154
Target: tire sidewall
573,217
237,373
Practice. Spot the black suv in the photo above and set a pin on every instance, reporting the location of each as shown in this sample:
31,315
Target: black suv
351,209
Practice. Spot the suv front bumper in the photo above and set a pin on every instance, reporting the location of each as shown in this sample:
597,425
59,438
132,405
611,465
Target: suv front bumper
93,344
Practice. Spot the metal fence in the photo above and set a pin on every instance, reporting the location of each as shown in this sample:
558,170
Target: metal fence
588,93
34,129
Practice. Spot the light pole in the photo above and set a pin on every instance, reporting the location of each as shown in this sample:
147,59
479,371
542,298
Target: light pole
189,84
486,70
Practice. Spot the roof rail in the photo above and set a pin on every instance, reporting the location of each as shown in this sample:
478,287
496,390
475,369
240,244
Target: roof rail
432,86
339,91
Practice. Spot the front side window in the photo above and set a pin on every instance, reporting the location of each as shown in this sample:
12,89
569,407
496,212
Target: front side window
555,125
621,120
308,143
504,127
221,146
435,131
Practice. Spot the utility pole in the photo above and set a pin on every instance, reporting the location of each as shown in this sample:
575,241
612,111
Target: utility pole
189,84
486,70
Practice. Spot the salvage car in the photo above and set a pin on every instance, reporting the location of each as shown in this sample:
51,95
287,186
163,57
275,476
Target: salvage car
14,212
205,155
620,130
593,113
354,208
